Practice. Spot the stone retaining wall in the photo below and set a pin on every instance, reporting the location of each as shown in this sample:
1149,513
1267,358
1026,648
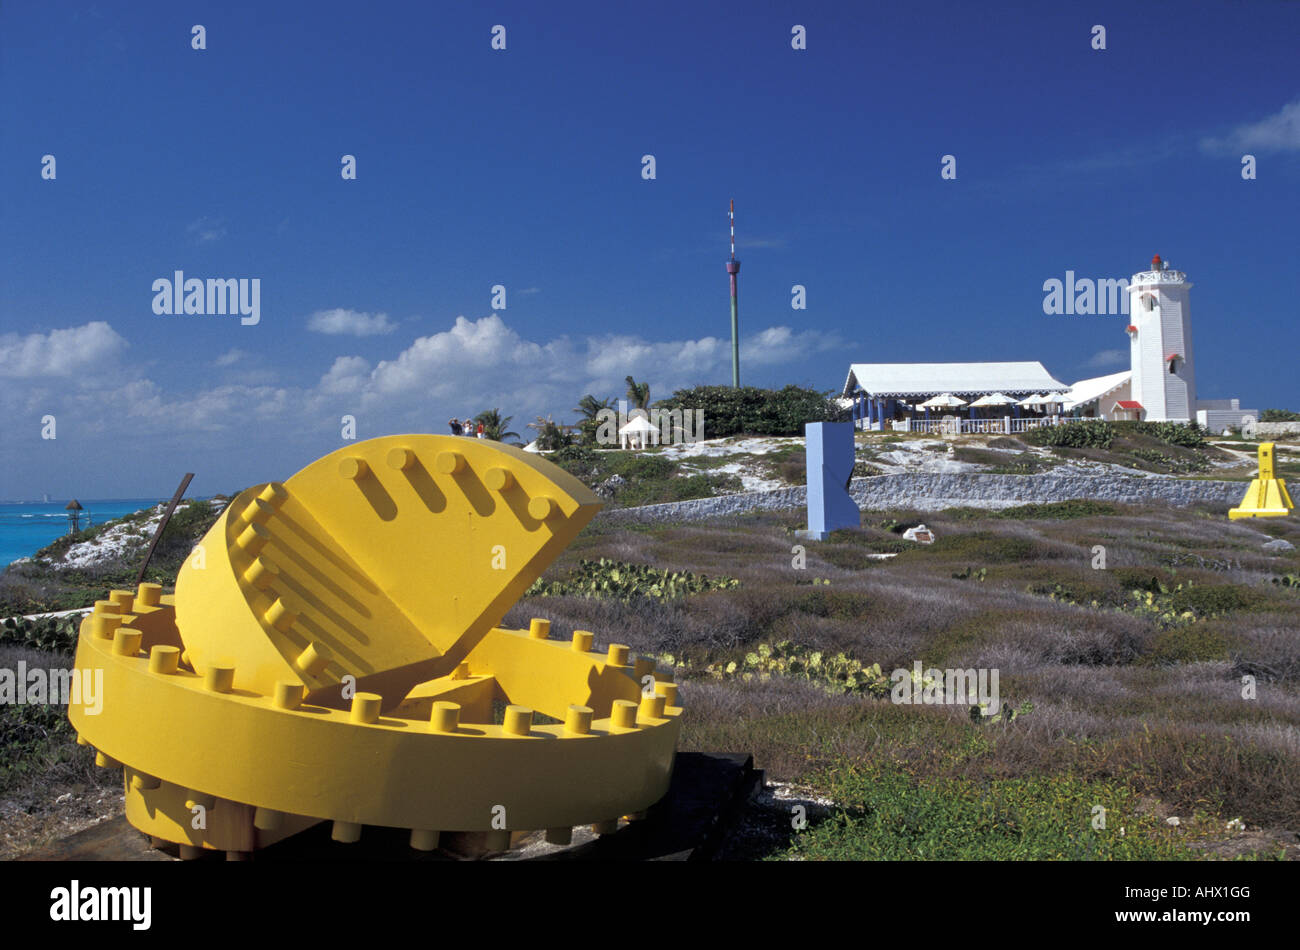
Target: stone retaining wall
925,492
1272,430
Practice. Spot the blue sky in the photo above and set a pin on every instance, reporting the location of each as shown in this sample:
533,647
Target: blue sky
522,167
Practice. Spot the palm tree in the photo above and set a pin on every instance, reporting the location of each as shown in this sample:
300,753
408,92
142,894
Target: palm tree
550,435
638,394
494,426
590,407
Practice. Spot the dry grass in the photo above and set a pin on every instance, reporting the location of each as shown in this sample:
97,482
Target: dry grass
1115,693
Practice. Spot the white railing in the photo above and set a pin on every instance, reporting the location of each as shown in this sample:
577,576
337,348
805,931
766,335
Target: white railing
953,425
949,426
1024,425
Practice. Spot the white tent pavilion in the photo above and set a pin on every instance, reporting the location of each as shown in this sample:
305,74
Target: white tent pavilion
944,401
638,430
1033,402
993,399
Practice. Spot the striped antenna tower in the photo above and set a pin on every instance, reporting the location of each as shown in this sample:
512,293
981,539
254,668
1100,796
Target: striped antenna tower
733,268
732,216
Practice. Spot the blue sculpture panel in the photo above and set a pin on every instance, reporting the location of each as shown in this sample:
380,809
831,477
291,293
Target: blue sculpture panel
829,455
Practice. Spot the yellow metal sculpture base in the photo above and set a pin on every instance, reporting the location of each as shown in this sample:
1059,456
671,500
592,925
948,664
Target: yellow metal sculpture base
331,654
1267,496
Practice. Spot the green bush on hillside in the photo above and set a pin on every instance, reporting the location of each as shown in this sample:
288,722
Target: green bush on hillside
1187,434
1084,434
1099,434
751,411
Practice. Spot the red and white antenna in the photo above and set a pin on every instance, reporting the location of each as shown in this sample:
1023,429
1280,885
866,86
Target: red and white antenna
733,228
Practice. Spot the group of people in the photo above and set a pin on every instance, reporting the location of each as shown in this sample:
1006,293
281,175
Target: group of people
466,428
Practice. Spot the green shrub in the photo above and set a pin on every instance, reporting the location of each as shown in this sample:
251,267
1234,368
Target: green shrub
36,736
1099,434
751,411
49,634
839,673
983,546
839,605
614,579
1187,434
1192,643
1212,601
1057,510
1082,434
1279,415
1170,463
1026,463
847,558
636,465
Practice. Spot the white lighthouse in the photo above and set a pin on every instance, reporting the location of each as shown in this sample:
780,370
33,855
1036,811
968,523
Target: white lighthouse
1160,333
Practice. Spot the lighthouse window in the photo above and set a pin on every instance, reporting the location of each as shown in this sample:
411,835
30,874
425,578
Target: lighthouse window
1149,302
1173,365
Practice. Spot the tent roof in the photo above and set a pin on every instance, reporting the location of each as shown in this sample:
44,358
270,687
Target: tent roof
1086,390
961,379
638,424
994,399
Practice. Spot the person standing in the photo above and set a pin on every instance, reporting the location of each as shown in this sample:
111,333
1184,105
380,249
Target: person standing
455,426
480,430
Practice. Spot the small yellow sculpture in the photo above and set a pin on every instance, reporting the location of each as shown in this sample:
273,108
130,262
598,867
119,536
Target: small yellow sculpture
1267,496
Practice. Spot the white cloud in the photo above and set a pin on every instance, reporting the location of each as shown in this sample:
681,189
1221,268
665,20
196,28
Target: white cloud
59,352
1108,358
485,359
347,375
206,230
1278,132
341,322
236,424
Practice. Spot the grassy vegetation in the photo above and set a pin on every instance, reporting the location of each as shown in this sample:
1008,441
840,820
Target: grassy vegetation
885,814
1135,706
38,739
1048,511
1000,463
1166,448
647,478
606,578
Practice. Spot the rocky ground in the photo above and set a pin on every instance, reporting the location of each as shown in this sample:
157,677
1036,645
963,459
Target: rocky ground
750,459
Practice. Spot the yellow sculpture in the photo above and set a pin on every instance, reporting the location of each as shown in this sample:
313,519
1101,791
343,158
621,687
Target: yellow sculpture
1267,496
331,654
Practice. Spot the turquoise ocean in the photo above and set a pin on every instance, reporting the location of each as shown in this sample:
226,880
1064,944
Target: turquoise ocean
26,528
